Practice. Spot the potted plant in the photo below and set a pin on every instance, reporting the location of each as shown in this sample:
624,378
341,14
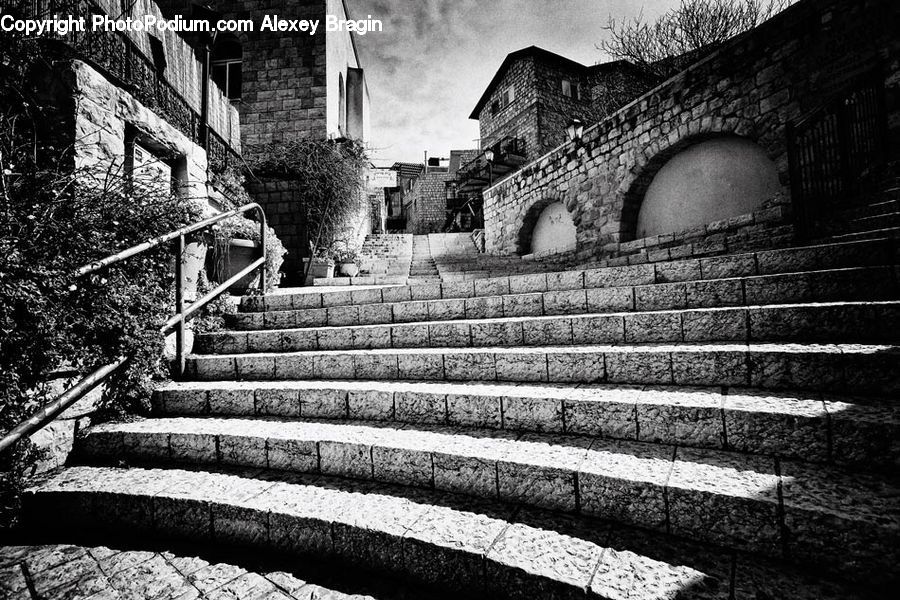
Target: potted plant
322,266
234,246
347,261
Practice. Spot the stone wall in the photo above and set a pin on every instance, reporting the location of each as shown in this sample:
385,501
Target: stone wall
284,90
541,111
279,201
426,203
100,118
520,118
752,88
555,110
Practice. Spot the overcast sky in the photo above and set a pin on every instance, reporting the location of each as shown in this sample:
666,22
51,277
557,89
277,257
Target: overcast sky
434,59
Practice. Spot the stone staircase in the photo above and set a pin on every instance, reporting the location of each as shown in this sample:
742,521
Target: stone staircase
422,269
383,260
458,259
721,427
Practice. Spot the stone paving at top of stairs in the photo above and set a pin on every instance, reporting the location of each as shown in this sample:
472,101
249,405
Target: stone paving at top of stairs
38,570
771,262
470,545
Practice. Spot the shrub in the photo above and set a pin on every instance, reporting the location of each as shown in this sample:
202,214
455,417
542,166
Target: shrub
327,175
55,218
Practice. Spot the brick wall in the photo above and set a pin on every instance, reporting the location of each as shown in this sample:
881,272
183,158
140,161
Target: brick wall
540,112
751,88
284,94
520,118
279,201
427,203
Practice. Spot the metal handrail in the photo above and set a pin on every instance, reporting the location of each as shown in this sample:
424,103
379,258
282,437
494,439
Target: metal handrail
49,412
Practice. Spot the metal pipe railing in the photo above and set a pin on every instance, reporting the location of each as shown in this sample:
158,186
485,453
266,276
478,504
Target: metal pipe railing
49,412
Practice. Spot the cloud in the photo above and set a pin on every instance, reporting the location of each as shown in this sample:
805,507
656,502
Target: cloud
433,60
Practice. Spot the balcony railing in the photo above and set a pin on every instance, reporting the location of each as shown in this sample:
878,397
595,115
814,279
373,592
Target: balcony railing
119,58
479,173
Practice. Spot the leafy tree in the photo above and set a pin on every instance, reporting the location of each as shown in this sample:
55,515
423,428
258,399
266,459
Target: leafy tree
685,33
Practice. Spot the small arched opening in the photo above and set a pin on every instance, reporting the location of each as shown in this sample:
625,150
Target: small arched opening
548,229
712,180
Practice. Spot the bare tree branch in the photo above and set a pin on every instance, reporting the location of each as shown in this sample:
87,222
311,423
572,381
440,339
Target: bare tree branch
685,33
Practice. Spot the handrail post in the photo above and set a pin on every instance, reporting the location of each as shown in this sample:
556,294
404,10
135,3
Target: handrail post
179,307
262,243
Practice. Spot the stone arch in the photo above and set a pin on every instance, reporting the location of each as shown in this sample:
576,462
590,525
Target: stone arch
634,188
547,225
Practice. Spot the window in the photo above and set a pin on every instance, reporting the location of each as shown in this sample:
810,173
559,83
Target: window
158,52
226,66
570,89
506,98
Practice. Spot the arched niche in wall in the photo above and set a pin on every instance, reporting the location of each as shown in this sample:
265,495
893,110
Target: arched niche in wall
549,229
709,181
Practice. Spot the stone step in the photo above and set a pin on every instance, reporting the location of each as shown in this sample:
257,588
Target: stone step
838,368
731,499
719,497
889,232
125,568
807,426
790,260
478,548
394,305
367,280
835,322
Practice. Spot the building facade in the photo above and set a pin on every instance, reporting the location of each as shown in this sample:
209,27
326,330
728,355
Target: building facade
535,94
131,102
288,86
749,147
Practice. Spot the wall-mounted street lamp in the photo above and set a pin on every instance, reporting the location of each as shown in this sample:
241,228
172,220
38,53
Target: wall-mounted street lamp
489,157
575,129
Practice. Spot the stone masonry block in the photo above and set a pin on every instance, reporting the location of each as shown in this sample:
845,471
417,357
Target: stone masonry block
469,366
522,366
575,367
566,302
447,310
610,299
523,305
604,329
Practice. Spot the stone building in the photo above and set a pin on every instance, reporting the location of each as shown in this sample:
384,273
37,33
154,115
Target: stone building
432,201
129,106
131,102
290,85
536,93
742,149
395,197
527,106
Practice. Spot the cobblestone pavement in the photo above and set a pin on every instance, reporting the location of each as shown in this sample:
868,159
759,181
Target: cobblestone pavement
67,571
